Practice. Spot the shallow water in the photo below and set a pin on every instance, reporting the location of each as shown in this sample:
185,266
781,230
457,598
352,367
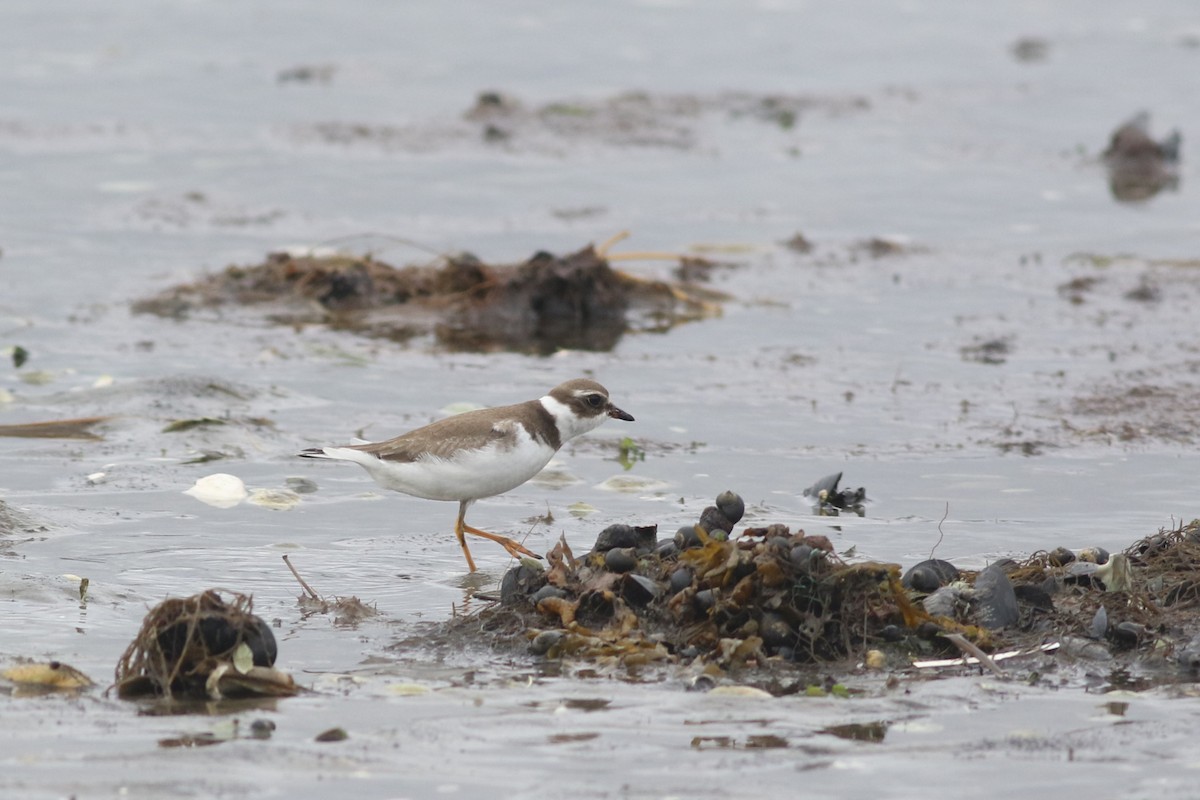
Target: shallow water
142,147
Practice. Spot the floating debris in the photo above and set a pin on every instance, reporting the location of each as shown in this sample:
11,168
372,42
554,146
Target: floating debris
829,501
274,499
219,490
348,611
47,676
202,647
79,428
540,305
1138,166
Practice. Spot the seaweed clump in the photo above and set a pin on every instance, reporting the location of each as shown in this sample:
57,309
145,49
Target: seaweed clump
703,594
539,305
771,595
202,647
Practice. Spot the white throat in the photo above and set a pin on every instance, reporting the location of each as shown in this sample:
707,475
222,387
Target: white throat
569,423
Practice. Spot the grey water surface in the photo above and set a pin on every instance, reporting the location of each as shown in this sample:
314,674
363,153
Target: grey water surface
1011,367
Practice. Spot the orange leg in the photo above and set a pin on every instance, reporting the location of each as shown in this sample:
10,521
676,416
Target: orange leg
462,540
514,548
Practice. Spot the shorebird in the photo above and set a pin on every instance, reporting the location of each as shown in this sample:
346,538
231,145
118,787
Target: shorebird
481,453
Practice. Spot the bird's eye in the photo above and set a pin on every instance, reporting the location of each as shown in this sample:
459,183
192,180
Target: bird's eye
595,400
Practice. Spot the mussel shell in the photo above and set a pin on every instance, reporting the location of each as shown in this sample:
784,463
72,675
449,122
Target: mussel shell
545,592
541,644
711,519
219,636
621,559
929,575
687,538
731,505
681,579
520,582
641,537
995,601
638,590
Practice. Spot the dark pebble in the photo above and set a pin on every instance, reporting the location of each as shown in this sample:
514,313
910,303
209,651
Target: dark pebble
681,579
731,505
621,559
712,520
333,735
541,644
261,729
1094,555
702,683
892,633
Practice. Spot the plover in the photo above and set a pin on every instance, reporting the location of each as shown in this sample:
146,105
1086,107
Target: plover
481,453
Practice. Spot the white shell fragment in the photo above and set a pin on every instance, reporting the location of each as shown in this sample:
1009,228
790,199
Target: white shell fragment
274,499
219,490
632,484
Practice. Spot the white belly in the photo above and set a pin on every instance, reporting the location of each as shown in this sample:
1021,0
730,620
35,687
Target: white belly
469,475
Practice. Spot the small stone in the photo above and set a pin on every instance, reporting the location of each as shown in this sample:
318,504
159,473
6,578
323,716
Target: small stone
333,735
261,729
705,599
